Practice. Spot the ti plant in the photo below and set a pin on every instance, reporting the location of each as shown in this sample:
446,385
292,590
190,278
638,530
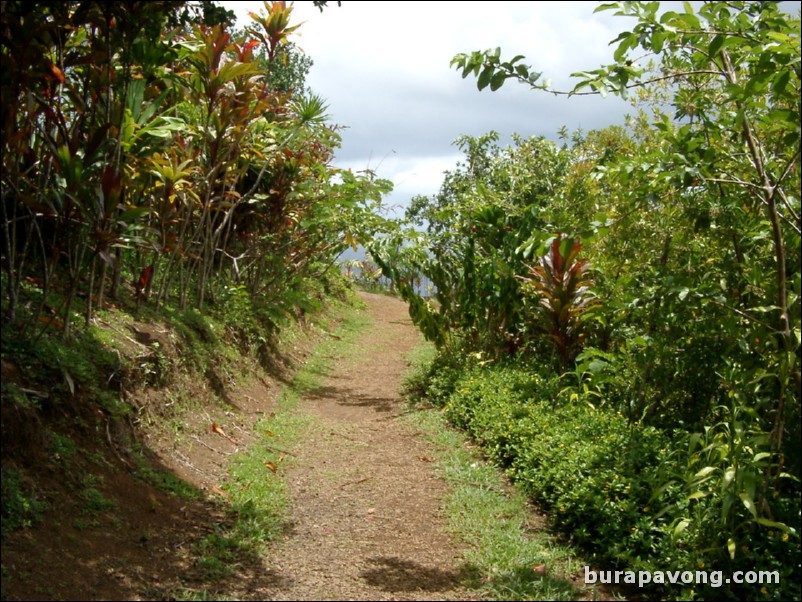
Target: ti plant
561,282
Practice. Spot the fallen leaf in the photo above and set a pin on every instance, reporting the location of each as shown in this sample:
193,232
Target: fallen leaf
216,429
220,492
269,433
424,458
271,466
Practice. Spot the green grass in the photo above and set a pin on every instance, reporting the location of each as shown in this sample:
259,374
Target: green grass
165,480
95,502
21,508
489,518
200,595
61,446
311,376
257,495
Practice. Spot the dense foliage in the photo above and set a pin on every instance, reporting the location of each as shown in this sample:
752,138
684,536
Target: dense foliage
167,194
646,282
150,151
618,316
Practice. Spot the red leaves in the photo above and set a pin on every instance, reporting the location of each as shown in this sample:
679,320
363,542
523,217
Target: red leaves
52,321
57,73
275,25
144,278
245,52
561,281
111,185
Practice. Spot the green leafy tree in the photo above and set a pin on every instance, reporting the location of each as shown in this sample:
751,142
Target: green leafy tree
737,116
493,214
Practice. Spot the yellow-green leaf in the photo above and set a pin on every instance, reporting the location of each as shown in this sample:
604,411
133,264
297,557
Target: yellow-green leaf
749,503
681,526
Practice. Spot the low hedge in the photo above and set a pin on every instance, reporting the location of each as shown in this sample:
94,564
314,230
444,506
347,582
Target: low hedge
613,487
593,471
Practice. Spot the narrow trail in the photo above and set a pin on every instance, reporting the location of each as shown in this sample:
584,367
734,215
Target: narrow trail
365,501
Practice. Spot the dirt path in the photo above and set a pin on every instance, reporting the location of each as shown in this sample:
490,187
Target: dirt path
365,501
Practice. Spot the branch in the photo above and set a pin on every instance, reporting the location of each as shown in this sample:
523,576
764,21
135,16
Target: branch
795,222
735,181
742,313
207,446
277,450
637,84
759,194
786,171
713,33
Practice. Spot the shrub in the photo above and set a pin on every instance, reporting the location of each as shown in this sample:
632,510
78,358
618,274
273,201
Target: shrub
436,381
618,488
593,470
20,506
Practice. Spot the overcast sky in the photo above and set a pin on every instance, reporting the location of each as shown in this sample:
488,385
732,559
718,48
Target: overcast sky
384,69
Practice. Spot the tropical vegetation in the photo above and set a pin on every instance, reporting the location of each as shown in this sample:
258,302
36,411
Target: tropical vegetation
150,150
618,315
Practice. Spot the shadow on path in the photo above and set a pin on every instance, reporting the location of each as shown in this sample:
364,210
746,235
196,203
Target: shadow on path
393,574
347,396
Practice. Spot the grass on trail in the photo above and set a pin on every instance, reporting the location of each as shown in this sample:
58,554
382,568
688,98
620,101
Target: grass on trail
255,490
490,518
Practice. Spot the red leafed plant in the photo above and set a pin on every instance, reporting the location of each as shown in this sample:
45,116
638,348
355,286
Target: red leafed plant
562,283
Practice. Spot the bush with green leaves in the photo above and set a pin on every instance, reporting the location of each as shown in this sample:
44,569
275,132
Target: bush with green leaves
638,497
593,470
21,507
436,381
722,475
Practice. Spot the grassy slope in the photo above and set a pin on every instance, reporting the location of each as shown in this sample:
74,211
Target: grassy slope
510,552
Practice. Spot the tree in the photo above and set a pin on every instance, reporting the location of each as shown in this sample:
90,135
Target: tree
493,216
734,72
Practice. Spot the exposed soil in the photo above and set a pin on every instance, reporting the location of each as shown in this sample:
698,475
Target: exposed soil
108,533
364,516
365,512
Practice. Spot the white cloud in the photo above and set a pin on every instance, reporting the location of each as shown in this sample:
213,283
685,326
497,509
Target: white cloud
384,69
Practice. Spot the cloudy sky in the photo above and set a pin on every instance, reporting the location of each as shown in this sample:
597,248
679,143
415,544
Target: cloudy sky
384,69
